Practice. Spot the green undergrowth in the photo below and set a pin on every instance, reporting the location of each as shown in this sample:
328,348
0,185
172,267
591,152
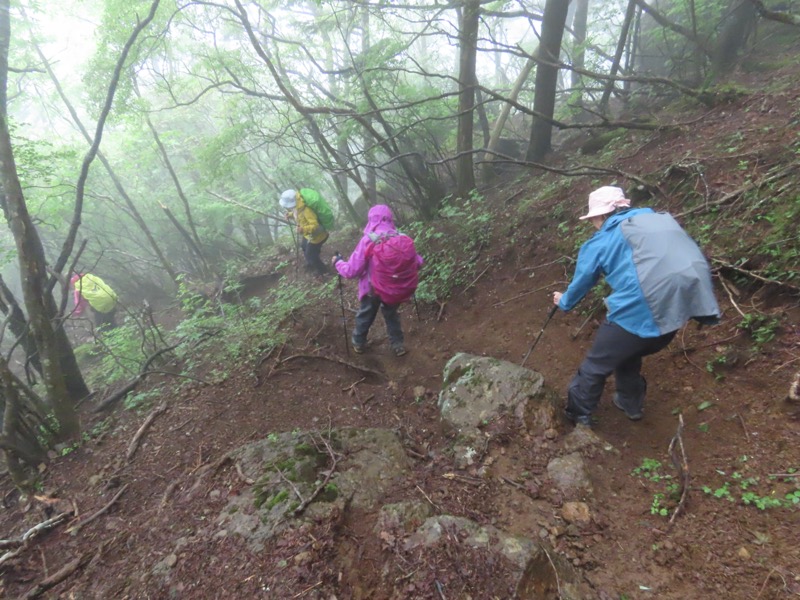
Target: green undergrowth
738,487
215,334
451,245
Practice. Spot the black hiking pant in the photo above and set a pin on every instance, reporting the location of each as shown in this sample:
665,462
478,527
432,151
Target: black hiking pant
311,252
617,351
366,316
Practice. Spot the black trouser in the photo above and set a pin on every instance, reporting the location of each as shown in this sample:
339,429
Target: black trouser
106,318
617,351
366,316
311,253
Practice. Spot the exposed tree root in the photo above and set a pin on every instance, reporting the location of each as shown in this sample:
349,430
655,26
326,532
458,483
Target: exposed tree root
20,542
62,574
134,445
77,527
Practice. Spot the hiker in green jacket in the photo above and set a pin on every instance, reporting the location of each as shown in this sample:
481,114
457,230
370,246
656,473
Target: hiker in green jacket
90,290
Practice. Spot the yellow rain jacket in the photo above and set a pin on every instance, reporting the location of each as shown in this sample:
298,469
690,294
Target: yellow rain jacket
307,220
97,293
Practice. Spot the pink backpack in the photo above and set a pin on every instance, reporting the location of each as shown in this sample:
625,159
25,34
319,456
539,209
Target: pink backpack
393,267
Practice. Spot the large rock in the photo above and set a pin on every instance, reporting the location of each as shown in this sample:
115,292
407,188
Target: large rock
289,466
478,391
532,570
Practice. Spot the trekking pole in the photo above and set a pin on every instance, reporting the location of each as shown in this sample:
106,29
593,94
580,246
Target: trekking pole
344,321
536,341
416,307
296,248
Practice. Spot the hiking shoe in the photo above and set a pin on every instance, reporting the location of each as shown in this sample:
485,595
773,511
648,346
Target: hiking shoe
576,420
358,348
633,415
399,350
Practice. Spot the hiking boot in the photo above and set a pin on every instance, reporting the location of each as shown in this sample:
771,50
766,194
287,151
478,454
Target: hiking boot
632,414
584,420
358,348
399,350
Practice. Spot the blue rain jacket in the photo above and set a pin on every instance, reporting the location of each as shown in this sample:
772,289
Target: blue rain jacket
658,275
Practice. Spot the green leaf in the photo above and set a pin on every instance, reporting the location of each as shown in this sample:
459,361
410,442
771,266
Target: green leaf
705,405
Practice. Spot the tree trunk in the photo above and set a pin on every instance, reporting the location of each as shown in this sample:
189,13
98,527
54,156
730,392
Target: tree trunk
553,22
579,52
738,23
621,42
468,41
41,308
19,326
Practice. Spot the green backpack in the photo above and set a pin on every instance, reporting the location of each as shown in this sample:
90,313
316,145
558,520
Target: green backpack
316,203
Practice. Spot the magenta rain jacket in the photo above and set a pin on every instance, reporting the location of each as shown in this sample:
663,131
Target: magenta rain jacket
379,220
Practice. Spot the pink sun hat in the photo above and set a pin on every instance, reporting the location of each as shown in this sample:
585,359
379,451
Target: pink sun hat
605,200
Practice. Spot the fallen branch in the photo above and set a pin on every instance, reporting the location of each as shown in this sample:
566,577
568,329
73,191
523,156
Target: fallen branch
528,293
682,466
134,445
75,528
474,281
754,275
331,359
750,185
730,296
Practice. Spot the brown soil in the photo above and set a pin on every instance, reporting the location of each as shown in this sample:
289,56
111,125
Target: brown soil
178,480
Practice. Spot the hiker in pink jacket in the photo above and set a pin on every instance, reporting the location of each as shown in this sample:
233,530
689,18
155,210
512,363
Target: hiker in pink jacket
363,261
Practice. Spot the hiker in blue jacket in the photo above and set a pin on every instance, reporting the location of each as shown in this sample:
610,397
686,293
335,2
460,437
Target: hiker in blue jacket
659,280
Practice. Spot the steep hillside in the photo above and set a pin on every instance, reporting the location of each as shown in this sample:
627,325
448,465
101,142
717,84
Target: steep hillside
144,497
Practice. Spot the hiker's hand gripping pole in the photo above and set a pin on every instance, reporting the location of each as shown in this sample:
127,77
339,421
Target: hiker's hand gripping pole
541,331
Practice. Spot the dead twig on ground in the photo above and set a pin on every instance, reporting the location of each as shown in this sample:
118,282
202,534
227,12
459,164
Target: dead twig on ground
730,295
528,293
547,264
308,589
331,359
555,571
134,445
431,502
682,465
351,388
744,427
331,470
439,589
474,281
78,526
512,483
441,310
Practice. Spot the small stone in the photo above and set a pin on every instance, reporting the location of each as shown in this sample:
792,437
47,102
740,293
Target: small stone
576,512
214,494
743,553
302,558
550,434
171,560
